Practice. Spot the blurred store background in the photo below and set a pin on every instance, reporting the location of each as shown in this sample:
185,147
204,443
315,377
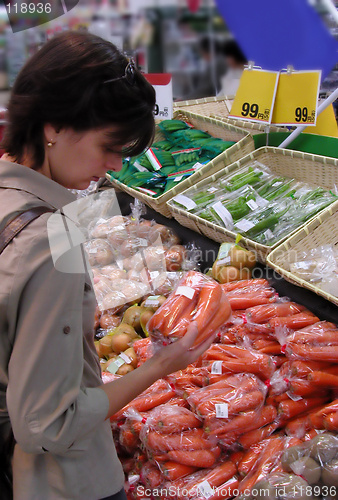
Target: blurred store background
187,38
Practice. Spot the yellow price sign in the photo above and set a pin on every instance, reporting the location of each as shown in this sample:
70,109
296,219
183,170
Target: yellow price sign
255,97
296,99
326,124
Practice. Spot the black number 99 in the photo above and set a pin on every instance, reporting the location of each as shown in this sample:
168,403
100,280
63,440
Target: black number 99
301,114
253,110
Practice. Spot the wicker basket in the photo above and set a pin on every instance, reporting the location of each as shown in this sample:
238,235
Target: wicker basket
215,128
219,108
315,170
323,229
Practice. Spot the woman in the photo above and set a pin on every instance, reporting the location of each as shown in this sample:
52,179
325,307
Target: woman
76,108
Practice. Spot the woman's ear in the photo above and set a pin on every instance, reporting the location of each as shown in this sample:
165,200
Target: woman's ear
50,133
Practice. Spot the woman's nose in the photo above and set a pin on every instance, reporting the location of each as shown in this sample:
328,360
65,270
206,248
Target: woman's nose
114,164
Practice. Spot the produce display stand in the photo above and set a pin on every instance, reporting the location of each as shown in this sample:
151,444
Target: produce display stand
321,307
215,128
321,230
314,170
219,108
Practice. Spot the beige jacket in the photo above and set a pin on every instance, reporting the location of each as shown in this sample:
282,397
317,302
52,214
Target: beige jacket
64,445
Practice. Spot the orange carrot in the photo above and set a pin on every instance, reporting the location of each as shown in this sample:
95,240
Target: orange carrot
235,285
263,313
235,404
303,388
290,409
250,459
250,300
226,490
275,400
194,458
247,421
310,435
323,379
150,475
294,322
303,368
188,440
222,315
236,457
169,424
331,421
250,438
221,473
320,353
173,470
331,369
146,402
207,304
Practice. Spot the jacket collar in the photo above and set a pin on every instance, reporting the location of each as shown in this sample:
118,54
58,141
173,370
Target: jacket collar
15,176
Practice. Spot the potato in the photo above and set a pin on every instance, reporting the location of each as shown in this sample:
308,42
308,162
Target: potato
104,256
241,258
105,345
324,447
132,356
225,274
109,321
145,317
120,342
114,299
290,455
173,260
126,329
308,468
129,247
132,317
124,369
143,229
330,473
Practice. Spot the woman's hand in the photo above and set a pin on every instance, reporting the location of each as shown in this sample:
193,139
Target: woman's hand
180,354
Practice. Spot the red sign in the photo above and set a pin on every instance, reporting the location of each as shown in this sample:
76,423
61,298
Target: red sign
194,5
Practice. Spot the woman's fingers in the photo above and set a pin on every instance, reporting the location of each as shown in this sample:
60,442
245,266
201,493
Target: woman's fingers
191,335
199,349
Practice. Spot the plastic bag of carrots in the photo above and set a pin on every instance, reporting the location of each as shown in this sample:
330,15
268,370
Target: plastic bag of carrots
197,298
209,483
175,434
317,342
158,393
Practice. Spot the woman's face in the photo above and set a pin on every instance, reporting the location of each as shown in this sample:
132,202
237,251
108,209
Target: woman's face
77,158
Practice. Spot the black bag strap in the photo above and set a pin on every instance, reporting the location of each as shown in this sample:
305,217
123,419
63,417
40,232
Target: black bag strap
19,222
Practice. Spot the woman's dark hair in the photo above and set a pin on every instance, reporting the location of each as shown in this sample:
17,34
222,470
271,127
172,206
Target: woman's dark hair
63,85
232,49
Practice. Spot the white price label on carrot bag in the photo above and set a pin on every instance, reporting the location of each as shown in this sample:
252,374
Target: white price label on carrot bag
216,368
186,291
205,490
222,410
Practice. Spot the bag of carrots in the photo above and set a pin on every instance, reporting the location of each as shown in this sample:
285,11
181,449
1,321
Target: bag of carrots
197,298
317,342
157,394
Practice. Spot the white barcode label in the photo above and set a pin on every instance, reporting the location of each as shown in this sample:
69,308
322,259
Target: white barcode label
244,225
154,274
93,250
294,397
205,490
225,261
197,166
185,201
224,214
113,367
268,234
133,478
222,410
142,242
252,204
152,298
101,221
212,190
125,358
179,178
216,368
139,167
186,291
276,184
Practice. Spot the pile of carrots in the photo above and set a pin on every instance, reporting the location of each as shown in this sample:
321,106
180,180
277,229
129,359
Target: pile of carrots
274,365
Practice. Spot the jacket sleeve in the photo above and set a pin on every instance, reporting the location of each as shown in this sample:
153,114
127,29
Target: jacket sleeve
48,407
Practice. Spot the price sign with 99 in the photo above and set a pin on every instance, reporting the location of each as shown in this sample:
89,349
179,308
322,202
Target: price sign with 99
296,100
251,111
255,96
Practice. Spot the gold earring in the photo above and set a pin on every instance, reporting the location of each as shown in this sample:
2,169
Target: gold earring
50,144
